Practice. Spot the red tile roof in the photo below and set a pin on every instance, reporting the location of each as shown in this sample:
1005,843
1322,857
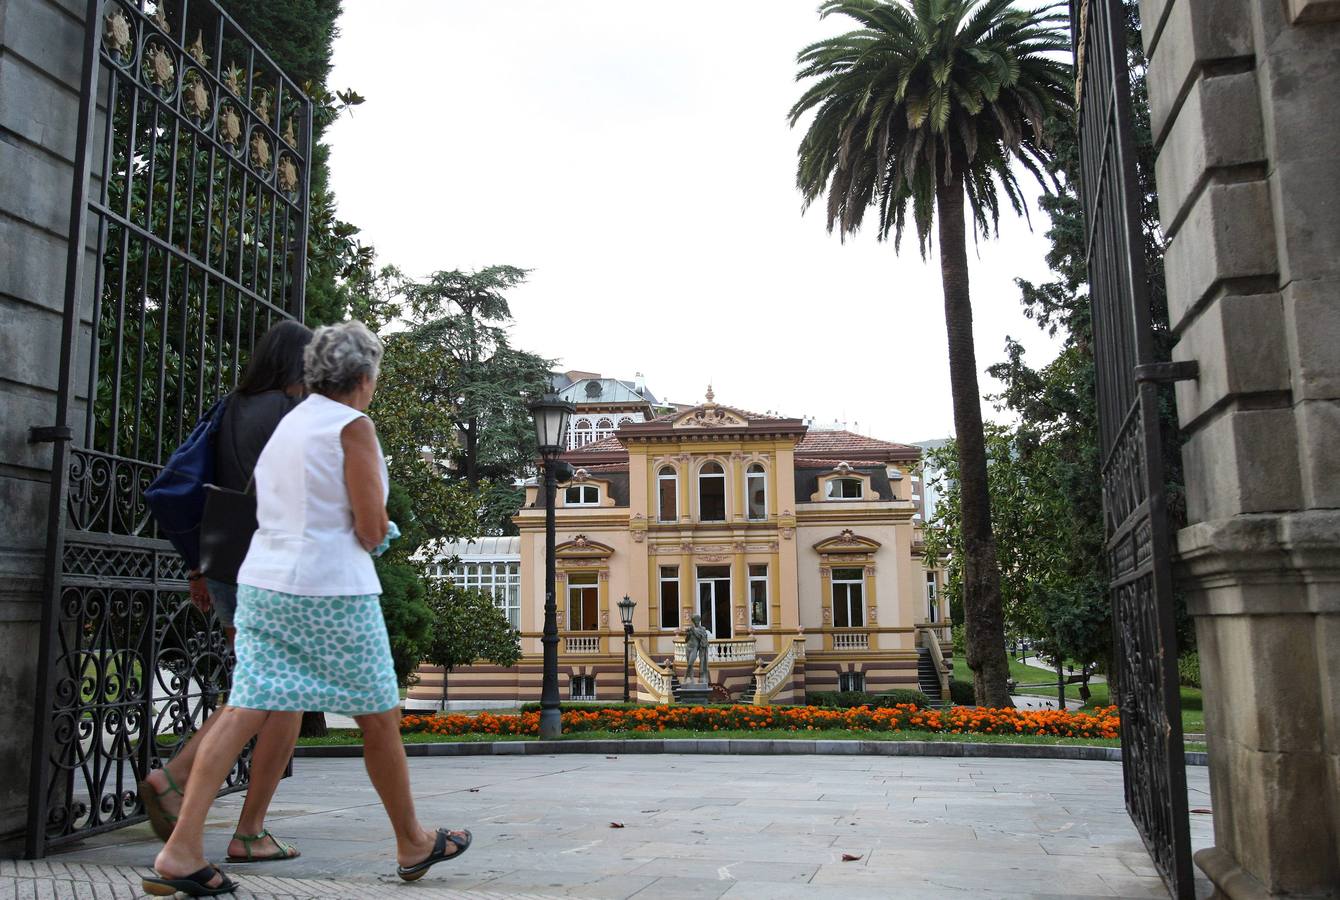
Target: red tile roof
604,445
809,462
836,444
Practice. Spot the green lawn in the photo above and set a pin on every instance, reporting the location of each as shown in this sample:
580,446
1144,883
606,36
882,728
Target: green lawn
350,736
1193,715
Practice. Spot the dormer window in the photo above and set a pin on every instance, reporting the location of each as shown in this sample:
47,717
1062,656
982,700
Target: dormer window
581,495
712,493
845,489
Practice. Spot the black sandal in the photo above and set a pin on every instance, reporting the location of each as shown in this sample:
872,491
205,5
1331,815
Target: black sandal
439,854
194,885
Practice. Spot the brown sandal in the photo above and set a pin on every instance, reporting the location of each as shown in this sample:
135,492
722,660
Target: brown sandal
160,819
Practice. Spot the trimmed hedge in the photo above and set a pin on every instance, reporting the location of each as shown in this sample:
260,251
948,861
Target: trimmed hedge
856,699
962,693
565,706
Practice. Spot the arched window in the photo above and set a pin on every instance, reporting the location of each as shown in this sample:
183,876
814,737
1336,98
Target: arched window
625,421
579,434
667,495
845,489
604,424
756,491
712,493
581,495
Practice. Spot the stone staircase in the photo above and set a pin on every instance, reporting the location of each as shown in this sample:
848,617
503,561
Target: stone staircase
746,696
928,680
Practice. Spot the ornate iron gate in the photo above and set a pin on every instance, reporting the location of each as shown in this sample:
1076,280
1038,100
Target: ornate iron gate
1139,557
188,237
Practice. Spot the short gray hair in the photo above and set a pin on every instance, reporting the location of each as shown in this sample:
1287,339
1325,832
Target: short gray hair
339,356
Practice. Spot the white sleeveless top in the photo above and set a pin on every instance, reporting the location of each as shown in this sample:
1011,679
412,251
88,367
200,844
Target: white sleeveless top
306,542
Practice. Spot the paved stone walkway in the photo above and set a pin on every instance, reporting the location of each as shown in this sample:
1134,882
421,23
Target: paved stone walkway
694,826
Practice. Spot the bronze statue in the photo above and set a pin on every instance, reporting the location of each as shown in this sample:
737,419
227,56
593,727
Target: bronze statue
696,641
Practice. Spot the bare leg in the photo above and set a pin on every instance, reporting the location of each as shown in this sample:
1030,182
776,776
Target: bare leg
274,746
384,756
184,852
179,767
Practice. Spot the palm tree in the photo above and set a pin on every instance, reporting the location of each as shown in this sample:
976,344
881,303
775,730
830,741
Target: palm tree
929,104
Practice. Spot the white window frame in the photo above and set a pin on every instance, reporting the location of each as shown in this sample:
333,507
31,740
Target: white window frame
582,490
671,474
767,599
583,585
833,589
661,580
749,476
499,578
854,681
725,492
585,679
932,598
844,479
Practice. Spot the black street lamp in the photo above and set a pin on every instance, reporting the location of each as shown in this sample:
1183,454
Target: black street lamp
626,606
551,435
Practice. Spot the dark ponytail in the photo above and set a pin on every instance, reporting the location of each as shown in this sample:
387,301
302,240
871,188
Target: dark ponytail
276,362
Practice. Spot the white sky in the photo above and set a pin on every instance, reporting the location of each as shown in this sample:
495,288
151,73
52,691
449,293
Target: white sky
637,157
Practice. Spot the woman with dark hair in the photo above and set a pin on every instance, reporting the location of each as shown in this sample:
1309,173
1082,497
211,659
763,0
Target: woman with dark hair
271,386
310,631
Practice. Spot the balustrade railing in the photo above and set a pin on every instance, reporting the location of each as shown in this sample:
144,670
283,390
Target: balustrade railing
851,640
653,678
583,644
728,650
769,680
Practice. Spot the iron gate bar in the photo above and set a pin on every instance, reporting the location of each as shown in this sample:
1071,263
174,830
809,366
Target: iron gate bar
115,627
1138,539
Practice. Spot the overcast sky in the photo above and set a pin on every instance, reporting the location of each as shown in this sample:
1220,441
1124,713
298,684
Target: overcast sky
637,158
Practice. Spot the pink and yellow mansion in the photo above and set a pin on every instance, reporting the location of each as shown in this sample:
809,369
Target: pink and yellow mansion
799,548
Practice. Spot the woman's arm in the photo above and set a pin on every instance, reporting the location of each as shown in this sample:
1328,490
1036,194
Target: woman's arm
363,478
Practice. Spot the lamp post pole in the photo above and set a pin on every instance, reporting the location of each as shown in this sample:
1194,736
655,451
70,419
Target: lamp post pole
626,615
551,428
551,720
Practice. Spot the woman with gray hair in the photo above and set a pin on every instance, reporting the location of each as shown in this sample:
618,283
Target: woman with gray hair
310,633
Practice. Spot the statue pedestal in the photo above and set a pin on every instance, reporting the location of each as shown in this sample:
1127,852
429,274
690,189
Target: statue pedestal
695,692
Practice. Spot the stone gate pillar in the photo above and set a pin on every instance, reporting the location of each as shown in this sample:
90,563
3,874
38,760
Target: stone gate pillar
41,62
1245,104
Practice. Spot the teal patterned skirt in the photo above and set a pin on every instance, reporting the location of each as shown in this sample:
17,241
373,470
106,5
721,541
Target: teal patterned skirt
323,654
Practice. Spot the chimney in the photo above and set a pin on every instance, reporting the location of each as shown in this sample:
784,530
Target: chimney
639,382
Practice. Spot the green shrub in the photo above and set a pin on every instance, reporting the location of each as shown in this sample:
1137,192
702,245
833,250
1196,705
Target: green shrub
534,706
1188,669
962,693
959,635
854,699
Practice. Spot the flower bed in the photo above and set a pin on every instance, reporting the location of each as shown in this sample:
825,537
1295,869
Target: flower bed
1098,723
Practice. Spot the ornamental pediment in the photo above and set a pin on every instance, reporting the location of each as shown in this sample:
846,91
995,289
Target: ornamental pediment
847,542
711,416
582,547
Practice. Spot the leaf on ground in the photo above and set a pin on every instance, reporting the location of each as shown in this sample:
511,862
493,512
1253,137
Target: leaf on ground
474,790
616,824
1202,811
851,857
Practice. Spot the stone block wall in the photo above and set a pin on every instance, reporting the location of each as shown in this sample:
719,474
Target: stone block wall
1245,108
41,53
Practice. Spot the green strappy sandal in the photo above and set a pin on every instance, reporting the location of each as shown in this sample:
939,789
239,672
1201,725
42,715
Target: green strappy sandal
160,819
286,851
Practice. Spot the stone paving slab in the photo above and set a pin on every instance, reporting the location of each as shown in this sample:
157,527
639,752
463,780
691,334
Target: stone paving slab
694,826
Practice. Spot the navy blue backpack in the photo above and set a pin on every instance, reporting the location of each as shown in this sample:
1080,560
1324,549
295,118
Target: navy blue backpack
176,498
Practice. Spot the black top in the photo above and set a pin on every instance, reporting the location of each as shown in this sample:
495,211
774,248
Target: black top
247,425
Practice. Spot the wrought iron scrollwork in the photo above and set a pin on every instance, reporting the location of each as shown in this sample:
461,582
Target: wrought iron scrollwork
1138,551
198,252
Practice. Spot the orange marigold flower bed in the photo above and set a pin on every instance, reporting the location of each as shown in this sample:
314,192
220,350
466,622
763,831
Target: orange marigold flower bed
1101,722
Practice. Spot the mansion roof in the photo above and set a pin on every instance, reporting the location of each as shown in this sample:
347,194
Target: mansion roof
816,448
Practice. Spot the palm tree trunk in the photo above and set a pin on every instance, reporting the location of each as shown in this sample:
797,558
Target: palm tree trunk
984,619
